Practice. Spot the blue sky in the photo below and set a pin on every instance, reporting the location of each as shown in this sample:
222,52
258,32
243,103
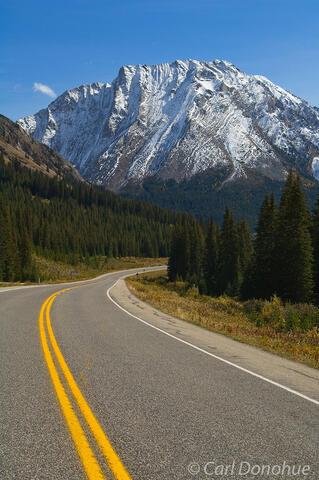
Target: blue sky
63,44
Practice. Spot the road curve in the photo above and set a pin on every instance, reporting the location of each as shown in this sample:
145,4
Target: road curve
169,411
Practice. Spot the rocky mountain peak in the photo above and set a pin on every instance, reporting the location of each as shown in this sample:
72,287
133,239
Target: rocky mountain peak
176,120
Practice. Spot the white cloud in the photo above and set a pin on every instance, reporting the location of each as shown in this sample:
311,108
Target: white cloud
39,87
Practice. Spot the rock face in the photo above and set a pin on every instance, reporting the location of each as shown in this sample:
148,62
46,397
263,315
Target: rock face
178,120
17,146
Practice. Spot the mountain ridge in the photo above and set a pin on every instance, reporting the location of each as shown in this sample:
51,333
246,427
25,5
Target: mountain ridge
16,145
179,120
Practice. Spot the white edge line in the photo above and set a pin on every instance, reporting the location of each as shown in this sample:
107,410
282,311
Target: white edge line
265,379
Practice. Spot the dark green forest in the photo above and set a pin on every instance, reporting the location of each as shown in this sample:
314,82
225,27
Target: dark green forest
71,222
209,193
281,258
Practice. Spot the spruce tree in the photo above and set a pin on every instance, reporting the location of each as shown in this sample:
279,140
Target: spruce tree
179,260
25,250
2,244
245,246
228,255
8,246
315,242
211,259
264,283
196,253
172,261
293,247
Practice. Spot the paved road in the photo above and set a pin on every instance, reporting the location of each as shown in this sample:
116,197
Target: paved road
171,412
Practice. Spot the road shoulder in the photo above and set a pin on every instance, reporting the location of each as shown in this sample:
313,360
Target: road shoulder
293,375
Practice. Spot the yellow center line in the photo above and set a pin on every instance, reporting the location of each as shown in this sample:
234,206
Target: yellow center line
113,460
86,455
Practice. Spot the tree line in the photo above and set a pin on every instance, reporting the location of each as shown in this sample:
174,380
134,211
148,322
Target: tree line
281,258
72,221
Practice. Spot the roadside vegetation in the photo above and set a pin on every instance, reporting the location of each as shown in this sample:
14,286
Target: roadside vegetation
262,289
56,272
282,258
288,329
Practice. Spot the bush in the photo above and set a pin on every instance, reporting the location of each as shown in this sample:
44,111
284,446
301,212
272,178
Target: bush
292,319
226,304
255,305
272,312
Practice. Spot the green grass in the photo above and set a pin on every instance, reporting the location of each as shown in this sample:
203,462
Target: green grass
259,323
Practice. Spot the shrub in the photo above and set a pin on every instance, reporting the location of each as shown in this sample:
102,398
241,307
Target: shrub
272,312
292,319
303,316
193,291
255,305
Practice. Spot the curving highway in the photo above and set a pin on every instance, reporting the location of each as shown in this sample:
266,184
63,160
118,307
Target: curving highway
95,384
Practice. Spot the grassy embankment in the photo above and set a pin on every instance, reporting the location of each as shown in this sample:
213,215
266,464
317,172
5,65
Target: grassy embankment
291,331
58,272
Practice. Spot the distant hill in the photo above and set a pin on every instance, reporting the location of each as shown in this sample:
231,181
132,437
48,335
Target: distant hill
16,145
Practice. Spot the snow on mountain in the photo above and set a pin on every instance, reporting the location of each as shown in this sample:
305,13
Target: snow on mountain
176,120
315,167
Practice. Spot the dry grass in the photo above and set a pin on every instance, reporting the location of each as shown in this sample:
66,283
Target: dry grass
226,316
58,272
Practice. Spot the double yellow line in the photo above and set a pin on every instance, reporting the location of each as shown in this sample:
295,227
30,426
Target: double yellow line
88,459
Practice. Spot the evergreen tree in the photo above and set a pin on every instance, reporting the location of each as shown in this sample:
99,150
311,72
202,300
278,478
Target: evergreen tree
179,260
196,250
70,222
293,248
25,251
2,244
245,246
263,285
315,242
211,259
228,254
8,247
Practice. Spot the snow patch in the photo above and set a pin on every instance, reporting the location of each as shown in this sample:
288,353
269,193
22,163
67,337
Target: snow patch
315,167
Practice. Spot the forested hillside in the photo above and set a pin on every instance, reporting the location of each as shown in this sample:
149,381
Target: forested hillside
281,259
72,221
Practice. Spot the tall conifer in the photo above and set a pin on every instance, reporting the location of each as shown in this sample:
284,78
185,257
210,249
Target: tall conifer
211,259
293,248
264,264
229,253
315,237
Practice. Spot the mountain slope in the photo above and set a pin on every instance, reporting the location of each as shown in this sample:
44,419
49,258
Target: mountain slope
188,122
16,145
177,120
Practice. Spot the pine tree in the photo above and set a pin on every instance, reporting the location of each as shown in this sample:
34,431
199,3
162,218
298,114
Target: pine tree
172,261
315,242
196,253
184,252
228,254
179,260
211,259
2,244
9,249
264,264
293,248
25,251
245,246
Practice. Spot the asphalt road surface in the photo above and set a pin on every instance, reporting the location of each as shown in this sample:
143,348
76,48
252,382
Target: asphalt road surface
126,401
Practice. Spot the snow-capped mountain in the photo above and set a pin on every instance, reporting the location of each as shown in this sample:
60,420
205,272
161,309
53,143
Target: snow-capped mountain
178,120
